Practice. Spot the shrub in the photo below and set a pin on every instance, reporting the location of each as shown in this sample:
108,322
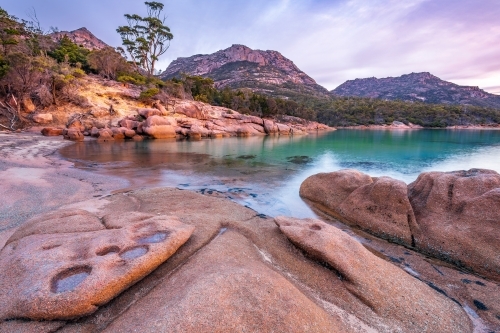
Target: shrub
148,94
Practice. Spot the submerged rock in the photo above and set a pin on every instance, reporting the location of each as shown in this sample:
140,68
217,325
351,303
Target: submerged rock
388,290
66,264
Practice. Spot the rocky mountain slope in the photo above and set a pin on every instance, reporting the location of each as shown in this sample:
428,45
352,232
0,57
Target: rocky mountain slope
423,87
82,37
238,66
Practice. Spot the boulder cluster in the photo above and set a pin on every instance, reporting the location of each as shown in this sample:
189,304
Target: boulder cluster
187,119
454,216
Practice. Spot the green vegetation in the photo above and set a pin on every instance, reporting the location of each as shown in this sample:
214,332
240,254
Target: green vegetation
67,51
146,38
338,111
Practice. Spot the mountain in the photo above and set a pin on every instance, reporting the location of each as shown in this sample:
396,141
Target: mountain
82,37
238,66
423,87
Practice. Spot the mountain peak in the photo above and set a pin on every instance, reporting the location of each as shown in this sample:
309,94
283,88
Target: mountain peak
421,87
82,37
239,66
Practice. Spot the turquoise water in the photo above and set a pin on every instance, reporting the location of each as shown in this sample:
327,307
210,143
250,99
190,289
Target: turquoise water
265,173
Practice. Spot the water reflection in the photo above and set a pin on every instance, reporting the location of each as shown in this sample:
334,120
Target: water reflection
265,173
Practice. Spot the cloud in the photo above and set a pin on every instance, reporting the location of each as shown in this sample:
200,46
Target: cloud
331,40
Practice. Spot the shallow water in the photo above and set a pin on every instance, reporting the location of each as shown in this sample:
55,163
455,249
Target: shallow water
265,173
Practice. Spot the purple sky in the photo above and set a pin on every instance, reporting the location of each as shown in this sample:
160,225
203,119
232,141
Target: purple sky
331,40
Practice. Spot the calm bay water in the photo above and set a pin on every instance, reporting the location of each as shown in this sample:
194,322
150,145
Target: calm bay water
265,173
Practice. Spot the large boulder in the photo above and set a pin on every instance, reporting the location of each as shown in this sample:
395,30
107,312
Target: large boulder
329,190
42,118
389,291
283,129
270,127
159,128
68,264
190,110
382,208
459,218
73,134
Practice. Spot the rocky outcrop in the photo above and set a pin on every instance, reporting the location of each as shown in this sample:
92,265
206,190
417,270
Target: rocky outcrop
450,215
241,67
417,87
82,37
388,290
66,264
159,128
458,214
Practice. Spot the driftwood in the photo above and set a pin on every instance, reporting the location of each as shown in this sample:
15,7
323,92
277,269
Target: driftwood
11,113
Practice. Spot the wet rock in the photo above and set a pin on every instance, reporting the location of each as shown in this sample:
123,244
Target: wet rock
51,131
458,215
382,208
385,288
42,118
227,288
56,270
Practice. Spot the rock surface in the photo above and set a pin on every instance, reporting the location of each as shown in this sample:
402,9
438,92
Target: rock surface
42,118
450,215
66,264
459,218
227,288
51,131
388,290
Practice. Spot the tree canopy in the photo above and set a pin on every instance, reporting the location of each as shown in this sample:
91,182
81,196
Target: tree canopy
146,38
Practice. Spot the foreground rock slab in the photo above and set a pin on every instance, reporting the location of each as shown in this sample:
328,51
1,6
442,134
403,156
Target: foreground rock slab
227,288
388,290
68,264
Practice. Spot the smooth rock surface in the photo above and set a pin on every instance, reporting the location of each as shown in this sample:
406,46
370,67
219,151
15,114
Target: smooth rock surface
52,270
382,208
459,218
388,290
227,288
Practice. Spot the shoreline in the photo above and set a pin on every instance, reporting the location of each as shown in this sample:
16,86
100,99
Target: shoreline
404,128
38,155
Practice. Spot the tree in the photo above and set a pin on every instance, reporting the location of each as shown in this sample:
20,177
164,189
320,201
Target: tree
67,51
146,38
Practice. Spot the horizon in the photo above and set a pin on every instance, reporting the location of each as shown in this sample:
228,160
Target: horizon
450,40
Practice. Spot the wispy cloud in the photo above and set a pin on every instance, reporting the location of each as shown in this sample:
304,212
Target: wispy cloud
331,40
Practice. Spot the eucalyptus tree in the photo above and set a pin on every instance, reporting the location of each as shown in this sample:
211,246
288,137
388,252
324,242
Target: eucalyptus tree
146,38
